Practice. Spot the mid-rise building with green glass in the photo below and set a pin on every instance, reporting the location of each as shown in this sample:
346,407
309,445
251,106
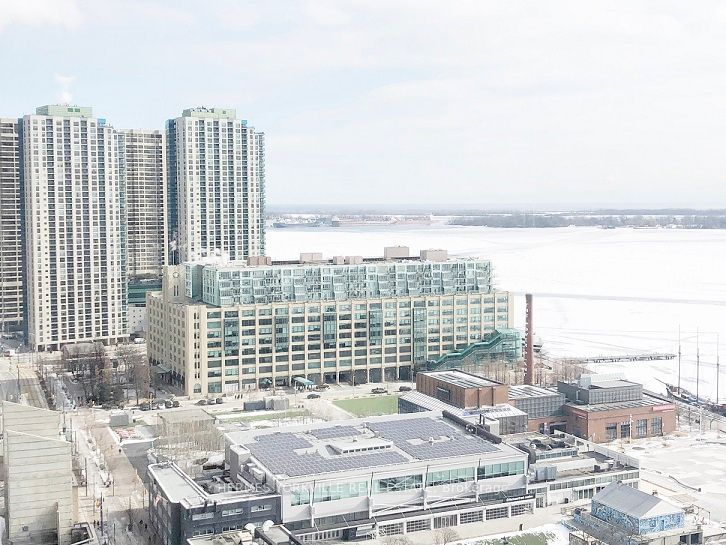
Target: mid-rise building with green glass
224,327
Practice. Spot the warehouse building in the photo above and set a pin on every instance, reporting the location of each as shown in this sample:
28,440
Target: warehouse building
226,327
544,407
603,408
600,408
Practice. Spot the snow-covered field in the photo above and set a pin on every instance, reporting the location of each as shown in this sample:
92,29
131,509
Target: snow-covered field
597,291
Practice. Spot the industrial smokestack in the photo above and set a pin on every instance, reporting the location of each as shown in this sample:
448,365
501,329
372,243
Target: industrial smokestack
529,344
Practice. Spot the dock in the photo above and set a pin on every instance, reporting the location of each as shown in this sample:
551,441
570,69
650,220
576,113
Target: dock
652,356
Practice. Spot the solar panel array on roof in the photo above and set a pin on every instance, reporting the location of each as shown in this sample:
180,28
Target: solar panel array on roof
334,432
277,452
413,437
288,440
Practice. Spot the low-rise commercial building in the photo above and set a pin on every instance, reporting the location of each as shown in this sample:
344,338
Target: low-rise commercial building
622,515
544,407
566,469
603,408
600,408
233,326
181,508
381,476
461,389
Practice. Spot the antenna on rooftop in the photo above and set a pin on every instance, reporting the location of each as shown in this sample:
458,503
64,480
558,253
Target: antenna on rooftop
718,370
698,369
679,359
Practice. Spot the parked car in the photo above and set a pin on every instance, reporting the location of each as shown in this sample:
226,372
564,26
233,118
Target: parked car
175,403
313,396
220,400
322,386
202,402
168,403
144,406
404,389
379,391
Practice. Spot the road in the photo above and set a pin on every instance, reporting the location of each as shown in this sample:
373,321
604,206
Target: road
16,372
109,476
8,380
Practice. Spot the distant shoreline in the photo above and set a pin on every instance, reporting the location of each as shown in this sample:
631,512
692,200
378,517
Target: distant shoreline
605,219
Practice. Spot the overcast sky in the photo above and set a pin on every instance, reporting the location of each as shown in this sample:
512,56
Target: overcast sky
412,102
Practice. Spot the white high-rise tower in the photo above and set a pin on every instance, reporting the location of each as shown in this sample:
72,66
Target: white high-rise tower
216,178
74,228
144,171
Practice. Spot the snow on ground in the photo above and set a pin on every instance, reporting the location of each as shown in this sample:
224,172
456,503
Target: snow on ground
553,534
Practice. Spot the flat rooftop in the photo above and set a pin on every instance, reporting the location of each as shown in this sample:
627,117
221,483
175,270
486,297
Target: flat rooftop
176,485
612,384
526,391
432,404
361,445
646,401
462,379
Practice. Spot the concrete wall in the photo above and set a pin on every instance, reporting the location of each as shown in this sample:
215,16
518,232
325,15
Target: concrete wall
38,489
30,420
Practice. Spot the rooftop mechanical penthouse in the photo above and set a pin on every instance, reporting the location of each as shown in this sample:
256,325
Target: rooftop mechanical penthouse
222,327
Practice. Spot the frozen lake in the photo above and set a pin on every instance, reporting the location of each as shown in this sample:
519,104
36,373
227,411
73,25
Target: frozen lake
597,291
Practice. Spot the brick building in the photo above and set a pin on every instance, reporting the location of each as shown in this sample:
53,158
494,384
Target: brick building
460,389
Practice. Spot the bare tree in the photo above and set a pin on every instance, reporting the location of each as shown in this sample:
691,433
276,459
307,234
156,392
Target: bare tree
142,378
397,540
445,536
135,369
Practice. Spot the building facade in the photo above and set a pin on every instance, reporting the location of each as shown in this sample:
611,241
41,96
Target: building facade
604,408
141,156
75,250
461,389
11,249
216,170
232,327
40,506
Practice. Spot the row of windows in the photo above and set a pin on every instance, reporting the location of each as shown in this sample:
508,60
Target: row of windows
332,492
347,307
594,480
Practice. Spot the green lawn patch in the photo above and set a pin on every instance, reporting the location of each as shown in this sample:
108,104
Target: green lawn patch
369,406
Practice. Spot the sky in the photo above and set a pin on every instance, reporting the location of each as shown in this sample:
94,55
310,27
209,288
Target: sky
407,102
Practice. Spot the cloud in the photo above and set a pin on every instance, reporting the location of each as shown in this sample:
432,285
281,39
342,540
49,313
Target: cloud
65,13
411,99
65,82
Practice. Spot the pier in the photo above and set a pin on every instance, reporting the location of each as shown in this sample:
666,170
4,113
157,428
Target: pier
629,357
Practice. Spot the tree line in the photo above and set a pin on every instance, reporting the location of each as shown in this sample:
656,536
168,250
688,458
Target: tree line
104,380
521,220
